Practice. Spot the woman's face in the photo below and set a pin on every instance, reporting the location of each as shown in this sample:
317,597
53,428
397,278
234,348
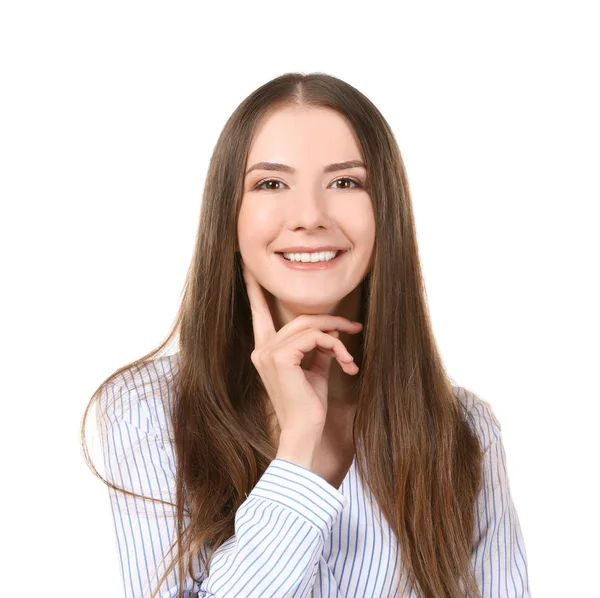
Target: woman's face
308,207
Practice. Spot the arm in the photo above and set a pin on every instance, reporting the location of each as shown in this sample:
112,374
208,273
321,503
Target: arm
499,557
280,530
139,457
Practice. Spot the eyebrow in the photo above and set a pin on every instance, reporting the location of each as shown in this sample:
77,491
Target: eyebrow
285,168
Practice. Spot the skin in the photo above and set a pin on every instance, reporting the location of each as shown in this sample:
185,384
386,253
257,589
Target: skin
309,207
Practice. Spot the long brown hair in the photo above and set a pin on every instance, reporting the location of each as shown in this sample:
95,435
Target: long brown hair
416,451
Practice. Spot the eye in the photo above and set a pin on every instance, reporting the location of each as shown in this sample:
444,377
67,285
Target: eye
259,186
346,178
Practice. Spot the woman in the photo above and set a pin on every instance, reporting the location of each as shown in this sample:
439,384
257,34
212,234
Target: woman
305,439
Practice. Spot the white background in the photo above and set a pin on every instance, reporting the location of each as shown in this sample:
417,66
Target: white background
109,112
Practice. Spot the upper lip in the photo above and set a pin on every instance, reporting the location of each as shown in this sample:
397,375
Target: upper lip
303,249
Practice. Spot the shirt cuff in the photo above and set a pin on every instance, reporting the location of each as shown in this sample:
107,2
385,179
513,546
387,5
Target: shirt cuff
302,491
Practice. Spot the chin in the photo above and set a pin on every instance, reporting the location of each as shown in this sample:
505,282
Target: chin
313,306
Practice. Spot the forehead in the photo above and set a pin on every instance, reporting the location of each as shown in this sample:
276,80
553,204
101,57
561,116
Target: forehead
295,135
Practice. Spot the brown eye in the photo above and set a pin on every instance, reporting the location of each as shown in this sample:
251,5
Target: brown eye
348,179
261,186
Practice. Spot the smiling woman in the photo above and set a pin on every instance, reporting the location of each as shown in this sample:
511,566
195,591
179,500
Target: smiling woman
306,439
307,238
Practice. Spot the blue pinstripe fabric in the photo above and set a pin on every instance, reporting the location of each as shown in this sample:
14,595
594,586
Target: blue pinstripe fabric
295,534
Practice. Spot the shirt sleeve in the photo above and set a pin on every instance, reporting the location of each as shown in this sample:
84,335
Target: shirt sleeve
499,557
280,529
139,457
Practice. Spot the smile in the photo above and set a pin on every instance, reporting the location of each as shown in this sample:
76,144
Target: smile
325,265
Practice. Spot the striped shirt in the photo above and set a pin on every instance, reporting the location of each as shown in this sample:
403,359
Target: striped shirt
295,534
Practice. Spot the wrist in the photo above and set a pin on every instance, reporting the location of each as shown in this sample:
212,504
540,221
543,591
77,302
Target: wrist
299,448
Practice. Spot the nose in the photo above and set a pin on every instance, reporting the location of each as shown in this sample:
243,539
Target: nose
308,211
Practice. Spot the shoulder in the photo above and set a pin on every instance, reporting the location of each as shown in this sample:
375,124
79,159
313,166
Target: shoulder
479,414
142,395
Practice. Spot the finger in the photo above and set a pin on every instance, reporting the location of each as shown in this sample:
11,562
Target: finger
328,352
323,357
308,340
262,321
320,322
325,362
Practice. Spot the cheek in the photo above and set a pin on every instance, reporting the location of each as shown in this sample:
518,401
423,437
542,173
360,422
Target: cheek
265,221
361,225
257,226
254,212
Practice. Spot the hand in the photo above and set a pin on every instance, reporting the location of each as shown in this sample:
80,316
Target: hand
299,396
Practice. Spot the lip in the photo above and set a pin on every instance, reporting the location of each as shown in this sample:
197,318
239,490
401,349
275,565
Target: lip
305,249
312,265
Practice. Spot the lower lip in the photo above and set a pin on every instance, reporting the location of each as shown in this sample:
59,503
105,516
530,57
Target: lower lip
312,265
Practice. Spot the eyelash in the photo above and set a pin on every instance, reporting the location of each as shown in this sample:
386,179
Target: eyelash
346,178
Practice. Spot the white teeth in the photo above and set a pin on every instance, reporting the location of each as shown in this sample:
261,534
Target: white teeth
322,256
